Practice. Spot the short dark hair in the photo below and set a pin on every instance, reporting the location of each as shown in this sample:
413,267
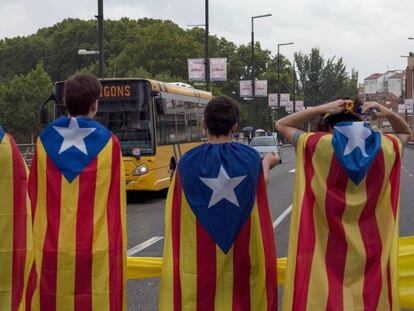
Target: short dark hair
221,114
81,91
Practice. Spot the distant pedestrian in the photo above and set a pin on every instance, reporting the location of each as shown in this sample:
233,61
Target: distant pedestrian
219,251
343,243
16,256
77,190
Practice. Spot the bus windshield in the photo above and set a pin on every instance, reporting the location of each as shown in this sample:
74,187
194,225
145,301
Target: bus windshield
125,109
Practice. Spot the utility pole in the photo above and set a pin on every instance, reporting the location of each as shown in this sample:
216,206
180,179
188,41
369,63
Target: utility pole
294,86
206,59
100,18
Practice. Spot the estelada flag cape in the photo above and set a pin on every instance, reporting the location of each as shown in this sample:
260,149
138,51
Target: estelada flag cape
77,190
16,255
219,251
343,243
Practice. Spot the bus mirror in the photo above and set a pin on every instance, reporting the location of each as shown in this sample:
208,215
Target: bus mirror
159,106
44,115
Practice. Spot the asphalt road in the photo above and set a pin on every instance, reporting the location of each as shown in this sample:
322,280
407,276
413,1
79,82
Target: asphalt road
145,221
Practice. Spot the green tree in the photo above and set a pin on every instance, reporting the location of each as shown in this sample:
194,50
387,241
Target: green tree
20,100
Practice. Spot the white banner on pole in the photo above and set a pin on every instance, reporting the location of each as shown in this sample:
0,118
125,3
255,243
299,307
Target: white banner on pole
218,69
196,69
401,108
261,88
246,88
284,99
299,105
289,106
409,105
272,100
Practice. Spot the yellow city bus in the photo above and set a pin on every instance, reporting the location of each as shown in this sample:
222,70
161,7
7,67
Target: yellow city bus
155,122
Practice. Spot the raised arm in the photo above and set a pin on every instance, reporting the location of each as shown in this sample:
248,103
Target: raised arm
288,125
398,124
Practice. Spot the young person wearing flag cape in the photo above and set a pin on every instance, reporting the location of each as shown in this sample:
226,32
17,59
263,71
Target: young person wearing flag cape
77,190
16,256
343,243
219,251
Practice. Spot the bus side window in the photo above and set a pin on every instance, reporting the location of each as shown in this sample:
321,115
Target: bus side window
162,122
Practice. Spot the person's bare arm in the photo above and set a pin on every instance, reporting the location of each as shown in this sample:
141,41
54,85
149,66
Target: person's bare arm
269,161
288,125
398,124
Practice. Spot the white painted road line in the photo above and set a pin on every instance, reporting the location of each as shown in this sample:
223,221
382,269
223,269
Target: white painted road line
282,216
144,245
292,171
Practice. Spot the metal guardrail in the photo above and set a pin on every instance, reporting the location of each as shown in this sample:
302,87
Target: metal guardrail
27,151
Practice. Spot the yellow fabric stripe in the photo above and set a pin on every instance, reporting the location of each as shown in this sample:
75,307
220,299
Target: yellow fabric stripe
66,261
188,255
40,218
166,301
385,219
354,273
258,290
318,281
6,222
294,221
224,280
100,261
29,248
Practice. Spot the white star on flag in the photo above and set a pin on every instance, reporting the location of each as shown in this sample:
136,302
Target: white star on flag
356,133
223,187
74,136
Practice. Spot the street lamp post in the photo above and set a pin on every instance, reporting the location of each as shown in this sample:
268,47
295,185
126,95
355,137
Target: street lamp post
254,67
101,39
278,71
206,60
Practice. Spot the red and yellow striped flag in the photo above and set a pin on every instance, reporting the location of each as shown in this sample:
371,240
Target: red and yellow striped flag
15,226
219,251
77,190
343,244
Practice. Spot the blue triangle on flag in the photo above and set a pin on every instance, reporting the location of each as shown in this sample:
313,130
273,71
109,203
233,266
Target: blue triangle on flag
222,210
83,139
356,146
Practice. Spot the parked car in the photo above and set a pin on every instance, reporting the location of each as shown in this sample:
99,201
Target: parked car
266,144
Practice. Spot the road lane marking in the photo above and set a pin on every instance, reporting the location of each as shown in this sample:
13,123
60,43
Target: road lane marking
144,245
293,170
282,217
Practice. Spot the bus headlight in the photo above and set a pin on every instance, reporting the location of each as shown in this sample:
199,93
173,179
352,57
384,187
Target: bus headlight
140,170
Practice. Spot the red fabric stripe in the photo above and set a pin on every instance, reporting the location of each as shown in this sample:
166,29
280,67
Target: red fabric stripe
116,282
335,258
175,232
19,225
84,237
371,236
268,244
241,269
395,176
206,270
306,236
48,277
31,286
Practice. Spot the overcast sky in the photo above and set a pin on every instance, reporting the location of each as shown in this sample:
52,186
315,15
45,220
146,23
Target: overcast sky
369,34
